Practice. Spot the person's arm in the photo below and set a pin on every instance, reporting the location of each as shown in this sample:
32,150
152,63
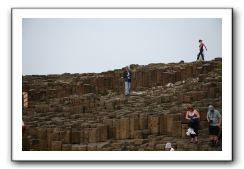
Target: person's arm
207,116
23,126
187,116
123,75
198,115
205,46
220,119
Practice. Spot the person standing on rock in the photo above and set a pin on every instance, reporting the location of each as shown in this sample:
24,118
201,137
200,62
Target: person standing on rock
214,120
193,116
201,45
127,80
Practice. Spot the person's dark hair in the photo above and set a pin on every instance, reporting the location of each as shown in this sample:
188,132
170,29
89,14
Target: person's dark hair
200,40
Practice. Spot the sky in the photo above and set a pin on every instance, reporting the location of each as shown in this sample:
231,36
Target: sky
56,46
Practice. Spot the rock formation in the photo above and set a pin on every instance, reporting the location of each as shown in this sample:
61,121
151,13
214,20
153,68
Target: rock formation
88,112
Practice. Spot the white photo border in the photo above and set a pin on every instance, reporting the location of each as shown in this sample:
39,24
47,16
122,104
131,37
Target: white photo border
227,148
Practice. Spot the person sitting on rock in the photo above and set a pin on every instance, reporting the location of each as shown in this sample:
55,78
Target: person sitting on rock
127,80
193,116
168,147
214,120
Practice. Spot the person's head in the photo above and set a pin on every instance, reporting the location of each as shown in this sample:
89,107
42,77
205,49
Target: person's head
190,107
200,40
211,108
168,147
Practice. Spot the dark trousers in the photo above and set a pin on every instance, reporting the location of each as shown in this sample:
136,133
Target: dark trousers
195,126
200,54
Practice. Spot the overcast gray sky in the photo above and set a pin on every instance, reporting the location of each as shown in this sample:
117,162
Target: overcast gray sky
55,46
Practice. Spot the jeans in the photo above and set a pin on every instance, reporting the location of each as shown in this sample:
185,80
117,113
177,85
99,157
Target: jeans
200,54
127,88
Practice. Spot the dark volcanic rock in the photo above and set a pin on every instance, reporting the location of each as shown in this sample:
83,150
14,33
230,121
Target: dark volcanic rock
88,112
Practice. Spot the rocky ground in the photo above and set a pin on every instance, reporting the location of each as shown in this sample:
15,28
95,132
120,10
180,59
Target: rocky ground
80,112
